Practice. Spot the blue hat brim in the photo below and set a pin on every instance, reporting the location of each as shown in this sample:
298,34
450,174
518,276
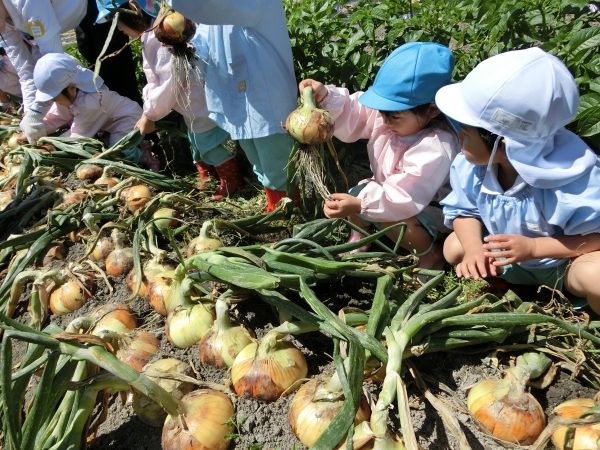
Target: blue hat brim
374,101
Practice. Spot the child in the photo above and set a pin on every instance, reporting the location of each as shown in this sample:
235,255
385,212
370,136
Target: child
525,204
9,82
250,82
60,78
166,90
411,146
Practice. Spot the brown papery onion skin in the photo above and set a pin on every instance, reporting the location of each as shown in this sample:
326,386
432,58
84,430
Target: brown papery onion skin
102,249
150,270
137,197
310,418
89,172
115,317
206,414
266,375
137,348
110,182
506,410
159,294
68,297
584,438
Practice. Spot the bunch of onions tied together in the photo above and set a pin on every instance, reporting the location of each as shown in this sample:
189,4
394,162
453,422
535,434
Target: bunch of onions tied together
503,406
163,372
311,127
204,242
266,370
316,404
189,321
581,438
223,342
120,260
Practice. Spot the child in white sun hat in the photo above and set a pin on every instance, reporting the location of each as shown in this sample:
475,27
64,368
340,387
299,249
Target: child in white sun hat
525,204
60,78
411,147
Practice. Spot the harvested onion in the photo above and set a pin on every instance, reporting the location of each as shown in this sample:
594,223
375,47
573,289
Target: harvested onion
136,349
150,412
105,181
187,324
314,407
102,249
584,438
265,370
120,260
151,269
164,218
173,28
69,297
503,406
206,414
89,172
203,242
309,124
137,197
223,342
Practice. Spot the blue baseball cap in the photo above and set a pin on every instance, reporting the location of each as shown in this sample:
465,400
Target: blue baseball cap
106,7
410,77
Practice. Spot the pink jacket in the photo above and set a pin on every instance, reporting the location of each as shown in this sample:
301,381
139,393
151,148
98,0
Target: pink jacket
408,172
159,95
87,115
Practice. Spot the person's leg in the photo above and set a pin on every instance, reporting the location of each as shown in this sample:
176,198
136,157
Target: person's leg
269,155
581,279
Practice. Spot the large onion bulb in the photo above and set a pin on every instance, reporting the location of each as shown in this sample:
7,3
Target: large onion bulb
203,242
223,342
137,197
584,438
151,269
148,410
136,349
114,317
187,324
206,415
172,27
314,407
309,124
102,249
69,297
264,371
120,260
503,406
89,172
165,218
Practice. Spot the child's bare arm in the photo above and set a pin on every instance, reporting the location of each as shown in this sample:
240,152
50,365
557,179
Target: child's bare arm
517,248
475,263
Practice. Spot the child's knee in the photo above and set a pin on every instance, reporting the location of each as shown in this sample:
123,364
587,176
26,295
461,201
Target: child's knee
453,251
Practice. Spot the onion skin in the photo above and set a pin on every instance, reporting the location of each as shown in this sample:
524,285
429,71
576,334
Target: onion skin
67,298
138,197
54,252
137,348
119,262
264,372
150,412
203,242
310,418
164,218
173,28
73,197
584,438
102,249
89,172
159,294
507,411
186,325
115,317
110,182
309,124
150,270
206,412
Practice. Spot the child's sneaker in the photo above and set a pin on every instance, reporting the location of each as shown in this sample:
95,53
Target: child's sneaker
149,161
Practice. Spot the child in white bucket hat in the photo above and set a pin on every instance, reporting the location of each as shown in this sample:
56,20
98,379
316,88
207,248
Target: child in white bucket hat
60,78
411,147
525,204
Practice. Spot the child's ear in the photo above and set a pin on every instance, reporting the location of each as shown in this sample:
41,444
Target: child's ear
72,90
433,111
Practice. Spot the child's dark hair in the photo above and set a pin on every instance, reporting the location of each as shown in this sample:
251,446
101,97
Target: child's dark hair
65,92
139,22
439,121
487,137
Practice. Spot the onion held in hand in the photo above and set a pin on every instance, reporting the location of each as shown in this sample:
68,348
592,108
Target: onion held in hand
309,124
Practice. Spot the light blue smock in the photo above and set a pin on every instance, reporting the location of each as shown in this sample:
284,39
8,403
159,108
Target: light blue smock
250,82
570,209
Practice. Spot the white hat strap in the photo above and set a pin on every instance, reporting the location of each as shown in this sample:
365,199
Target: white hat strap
496,143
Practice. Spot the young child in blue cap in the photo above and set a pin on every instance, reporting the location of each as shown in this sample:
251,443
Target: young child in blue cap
411,147
525,204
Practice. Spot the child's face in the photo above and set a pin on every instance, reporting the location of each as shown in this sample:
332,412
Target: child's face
472,146
128,31
62,99
405,123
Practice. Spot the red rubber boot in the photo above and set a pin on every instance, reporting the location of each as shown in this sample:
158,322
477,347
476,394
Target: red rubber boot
231,180
273,198
205,171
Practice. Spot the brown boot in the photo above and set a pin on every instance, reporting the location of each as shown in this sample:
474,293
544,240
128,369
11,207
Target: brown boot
231,180
205,171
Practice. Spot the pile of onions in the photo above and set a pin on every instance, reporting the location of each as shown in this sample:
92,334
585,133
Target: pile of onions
150,412
207,413
266,370
503,406
583,438
315,405
70,296
137,197
190,321
309,124
136,349
223,342
120,260
88,172
204,242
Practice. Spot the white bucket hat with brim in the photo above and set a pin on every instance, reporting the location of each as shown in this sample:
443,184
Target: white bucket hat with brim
55,71
526,97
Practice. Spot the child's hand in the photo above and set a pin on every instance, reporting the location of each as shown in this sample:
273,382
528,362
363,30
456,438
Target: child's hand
145,125
319,89
341,205
475,265
514,247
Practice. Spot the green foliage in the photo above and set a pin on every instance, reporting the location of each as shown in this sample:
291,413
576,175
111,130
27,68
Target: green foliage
346,45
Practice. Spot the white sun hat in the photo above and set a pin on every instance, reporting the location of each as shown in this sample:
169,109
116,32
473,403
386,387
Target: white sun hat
55,71
527,97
